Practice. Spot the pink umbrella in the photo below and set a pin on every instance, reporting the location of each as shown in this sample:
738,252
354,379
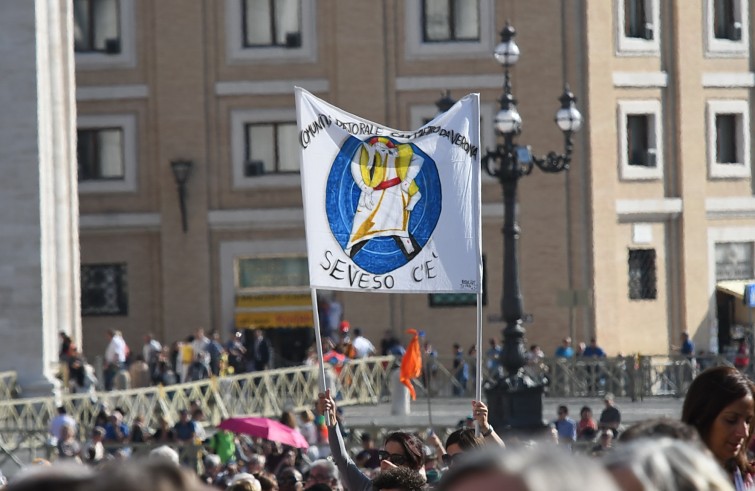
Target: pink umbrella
265,428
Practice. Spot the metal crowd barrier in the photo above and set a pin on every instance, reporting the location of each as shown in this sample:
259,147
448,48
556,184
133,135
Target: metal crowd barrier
8,385
265,393
364,381
636,377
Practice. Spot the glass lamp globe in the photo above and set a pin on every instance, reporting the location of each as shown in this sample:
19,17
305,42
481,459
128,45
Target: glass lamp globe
569,119
507,53
508,120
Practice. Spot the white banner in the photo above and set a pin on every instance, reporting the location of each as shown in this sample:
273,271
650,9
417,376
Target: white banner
389,210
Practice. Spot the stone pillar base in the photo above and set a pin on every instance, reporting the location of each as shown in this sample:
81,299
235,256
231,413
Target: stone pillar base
400,400
40,387
515,408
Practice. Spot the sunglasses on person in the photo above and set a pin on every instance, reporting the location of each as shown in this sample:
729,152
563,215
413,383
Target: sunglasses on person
448,460
393,458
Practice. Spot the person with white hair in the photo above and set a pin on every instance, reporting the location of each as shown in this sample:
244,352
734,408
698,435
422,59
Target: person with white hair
256,463
244,482
164,452
666,464
542,468
323,471
212,467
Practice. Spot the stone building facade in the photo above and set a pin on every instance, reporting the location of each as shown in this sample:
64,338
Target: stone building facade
628,246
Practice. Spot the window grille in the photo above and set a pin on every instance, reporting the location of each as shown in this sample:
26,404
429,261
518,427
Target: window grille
734,261
104,289
642,274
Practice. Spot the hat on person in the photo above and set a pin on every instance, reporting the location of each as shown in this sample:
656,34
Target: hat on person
345,326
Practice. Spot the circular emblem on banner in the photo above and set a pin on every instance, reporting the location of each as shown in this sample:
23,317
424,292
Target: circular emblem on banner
383,201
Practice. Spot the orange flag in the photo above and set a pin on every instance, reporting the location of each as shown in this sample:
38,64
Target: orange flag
411,364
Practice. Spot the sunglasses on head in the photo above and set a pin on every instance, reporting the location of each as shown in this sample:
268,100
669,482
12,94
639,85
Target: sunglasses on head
393,458
448,460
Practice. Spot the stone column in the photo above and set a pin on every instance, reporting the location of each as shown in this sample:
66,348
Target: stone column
400,398
39,252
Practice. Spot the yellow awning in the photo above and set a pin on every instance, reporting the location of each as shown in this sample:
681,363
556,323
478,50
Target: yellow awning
273,319
735,288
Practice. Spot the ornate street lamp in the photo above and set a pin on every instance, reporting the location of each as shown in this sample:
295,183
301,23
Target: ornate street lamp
515,399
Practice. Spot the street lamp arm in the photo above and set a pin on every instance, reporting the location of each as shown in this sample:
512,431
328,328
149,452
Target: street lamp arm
554,162
502,163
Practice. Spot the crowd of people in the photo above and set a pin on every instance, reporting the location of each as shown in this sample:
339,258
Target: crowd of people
200,356
197,357
709,448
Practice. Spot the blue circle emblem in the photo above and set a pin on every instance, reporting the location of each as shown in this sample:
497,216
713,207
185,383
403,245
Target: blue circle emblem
380,218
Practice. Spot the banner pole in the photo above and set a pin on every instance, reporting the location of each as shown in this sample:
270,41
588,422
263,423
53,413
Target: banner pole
318,340
428,374
478,378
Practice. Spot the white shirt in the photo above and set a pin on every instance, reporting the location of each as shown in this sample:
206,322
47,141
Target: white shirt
363,346
116,350
150,350
99,451
58,422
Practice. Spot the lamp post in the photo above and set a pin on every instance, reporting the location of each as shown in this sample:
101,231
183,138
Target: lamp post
181,171
515,399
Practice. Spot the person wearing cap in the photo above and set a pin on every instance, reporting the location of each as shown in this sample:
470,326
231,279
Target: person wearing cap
344,342
344,327
610,418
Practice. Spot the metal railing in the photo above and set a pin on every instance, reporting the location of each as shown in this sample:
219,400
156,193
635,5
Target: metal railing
364,381
8,385
265,393
636,377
